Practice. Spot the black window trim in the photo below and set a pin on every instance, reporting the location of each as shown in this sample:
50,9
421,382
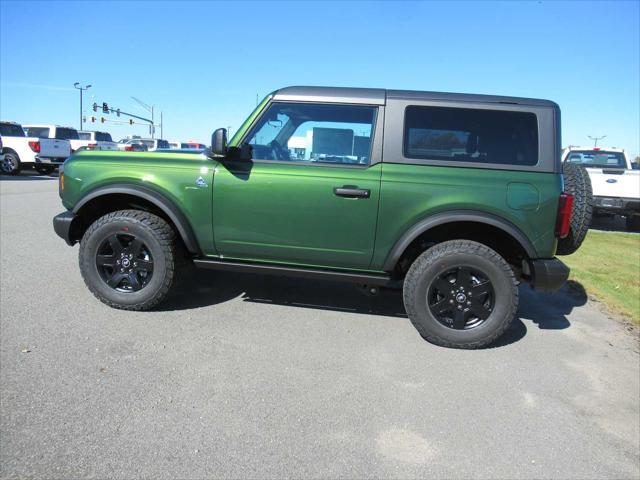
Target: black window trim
376,135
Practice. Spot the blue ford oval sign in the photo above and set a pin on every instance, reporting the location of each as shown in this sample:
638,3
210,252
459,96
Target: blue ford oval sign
611,180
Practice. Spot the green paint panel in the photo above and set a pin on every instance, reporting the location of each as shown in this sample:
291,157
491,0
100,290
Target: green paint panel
410,193
173,175
522,196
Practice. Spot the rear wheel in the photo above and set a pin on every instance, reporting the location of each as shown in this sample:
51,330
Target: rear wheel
10,165
460,294
578,184
128,259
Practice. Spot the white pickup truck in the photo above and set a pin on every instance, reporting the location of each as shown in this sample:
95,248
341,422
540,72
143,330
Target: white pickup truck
96,141
56,132
22,151
616,185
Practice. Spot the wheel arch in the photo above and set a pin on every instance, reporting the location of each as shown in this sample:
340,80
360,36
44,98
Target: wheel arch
459,218
127,194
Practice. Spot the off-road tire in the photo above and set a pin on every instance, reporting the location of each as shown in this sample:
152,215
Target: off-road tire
578,184
160,239
11,164
633,223
464,253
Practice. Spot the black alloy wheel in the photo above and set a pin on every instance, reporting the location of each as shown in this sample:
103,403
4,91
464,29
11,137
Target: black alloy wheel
461,298
124,263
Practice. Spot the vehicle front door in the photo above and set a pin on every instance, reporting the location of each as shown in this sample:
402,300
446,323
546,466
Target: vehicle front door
310,194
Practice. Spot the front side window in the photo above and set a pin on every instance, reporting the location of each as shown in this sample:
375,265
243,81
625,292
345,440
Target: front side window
471,135
318,133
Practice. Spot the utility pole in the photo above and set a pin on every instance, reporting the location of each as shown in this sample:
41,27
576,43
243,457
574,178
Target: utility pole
148,108
161,126
595,139
81,88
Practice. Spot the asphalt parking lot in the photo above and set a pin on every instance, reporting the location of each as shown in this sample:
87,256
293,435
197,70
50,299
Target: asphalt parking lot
259,377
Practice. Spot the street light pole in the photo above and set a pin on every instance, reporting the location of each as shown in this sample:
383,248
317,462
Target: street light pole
595,139
148,109
81,88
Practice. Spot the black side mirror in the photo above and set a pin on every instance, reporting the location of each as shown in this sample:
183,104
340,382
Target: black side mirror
219,142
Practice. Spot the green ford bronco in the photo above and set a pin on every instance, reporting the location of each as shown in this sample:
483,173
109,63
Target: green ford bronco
454,198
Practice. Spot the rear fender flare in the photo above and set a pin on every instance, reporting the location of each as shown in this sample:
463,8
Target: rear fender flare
452,217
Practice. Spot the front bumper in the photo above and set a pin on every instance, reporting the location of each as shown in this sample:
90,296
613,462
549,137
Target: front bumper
64,225
548,275
616,205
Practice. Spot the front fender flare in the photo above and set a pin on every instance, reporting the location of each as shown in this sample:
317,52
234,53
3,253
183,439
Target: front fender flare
159,200
450,217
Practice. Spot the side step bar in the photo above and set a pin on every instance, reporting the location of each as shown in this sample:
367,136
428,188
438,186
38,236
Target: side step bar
270,269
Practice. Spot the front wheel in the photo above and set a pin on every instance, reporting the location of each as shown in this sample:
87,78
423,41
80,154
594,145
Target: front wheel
460,294
128,259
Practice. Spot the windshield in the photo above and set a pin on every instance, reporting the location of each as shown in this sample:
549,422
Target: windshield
11,130
597,158
38,132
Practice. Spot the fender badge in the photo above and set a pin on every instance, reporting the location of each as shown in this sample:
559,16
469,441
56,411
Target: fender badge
200,182
611,180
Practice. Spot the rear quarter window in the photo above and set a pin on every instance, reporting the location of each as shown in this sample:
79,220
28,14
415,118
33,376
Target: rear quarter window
66,134
38,132
471,135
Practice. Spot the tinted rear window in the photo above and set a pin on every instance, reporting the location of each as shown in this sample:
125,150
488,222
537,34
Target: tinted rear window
11,130
163,144
103,137
66,134
597,158
38,132
84,135
471,135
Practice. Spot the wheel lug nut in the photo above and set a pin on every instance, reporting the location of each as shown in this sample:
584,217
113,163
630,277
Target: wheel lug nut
118,262
135,264
450,301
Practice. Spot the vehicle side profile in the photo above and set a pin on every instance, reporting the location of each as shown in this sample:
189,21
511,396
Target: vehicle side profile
94,140
22,150
454,198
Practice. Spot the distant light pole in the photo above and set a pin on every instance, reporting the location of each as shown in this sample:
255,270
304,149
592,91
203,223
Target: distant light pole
81,88
595,139
148,108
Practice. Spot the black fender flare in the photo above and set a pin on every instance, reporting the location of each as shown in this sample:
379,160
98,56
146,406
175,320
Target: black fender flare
159,200
438,219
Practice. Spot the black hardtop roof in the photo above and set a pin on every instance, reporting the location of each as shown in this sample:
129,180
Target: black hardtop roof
378,96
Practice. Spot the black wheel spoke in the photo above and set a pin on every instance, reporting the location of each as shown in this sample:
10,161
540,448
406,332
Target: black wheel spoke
115,245
443,285
459,319
106,260
144,265
441,306
116,279
463,278
480,310
481,289
134,247
133,281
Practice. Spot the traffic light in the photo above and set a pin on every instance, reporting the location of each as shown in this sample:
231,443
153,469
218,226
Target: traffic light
105,107
95,107
130,121
118,112
93,119
102,119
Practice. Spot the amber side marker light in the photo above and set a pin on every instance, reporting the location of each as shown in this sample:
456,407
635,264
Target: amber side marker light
61,182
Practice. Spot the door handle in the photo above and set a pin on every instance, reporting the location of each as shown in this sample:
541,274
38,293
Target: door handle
351,192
